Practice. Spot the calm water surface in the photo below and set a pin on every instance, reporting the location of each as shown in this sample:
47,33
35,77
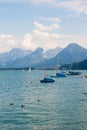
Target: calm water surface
55,106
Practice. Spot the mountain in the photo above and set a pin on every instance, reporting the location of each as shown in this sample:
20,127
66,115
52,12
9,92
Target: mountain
27,61
13,54
22,58
52,52
70,54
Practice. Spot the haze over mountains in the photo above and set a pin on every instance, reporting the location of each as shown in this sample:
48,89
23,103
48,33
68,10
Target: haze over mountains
13,54
17,58
70,54
24,58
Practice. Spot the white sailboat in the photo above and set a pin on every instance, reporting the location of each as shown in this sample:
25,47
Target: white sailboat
29,69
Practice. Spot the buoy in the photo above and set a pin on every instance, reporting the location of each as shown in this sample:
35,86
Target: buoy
22,106
11,103
30,81
81,77
38,100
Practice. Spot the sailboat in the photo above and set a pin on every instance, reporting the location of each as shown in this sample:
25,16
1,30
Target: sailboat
58,74
73,72
46,78
29,69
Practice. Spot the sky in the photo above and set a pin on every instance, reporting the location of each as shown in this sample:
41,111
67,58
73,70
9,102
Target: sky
29,24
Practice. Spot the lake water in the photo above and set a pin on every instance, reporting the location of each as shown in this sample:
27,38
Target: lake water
61,105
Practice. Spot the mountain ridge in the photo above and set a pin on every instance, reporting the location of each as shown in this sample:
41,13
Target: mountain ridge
70,54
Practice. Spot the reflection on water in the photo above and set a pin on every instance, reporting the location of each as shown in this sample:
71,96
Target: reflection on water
26,104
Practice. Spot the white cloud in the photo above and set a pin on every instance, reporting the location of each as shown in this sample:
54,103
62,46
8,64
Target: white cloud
7,42
79,39
50,19
51,27
45,39
27,42
47,24
40,39
42,35
48,40
78,6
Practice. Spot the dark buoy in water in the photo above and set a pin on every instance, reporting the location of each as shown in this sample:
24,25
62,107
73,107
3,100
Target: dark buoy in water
22,106
38,100
11,104
30,81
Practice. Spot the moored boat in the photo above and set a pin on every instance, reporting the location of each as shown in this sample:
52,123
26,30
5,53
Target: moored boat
47,80
73,73
60,74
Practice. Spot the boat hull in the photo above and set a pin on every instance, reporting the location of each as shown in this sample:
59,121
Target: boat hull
73,73
60,75
47,80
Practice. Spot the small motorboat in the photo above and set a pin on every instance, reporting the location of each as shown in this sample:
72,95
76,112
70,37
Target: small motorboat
60,75
73,73
47,80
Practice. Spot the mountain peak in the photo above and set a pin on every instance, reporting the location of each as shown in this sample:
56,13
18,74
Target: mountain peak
74,45
38,50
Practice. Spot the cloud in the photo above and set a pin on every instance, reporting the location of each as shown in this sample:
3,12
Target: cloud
49,40
77,6
43,35
47,24
49,19
79,39
40,39
45,39
7,42
51,27
27,42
